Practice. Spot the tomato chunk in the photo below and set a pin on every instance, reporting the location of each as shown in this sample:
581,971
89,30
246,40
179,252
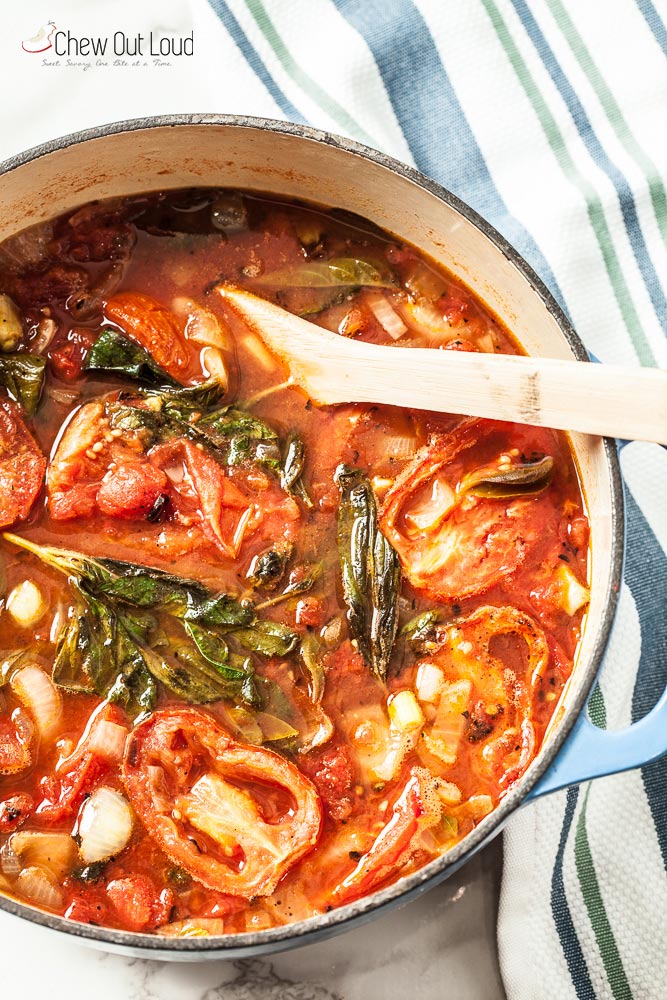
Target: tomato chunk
22,465
392,846
16,739
138,903
14,811
453,544
236,817
64,795
152,326
132,490
225,511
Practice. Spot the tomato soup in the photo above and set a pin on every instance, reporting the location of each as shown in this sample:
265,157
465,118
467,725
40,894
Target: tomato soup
260,657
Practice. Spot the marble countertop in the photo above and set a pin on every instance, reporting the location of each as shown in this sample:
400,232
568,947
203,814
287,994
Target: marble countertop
445,938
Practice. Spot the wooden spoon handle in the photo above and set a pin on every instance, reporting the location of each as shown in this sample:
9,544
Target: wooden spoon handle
595,399
569,395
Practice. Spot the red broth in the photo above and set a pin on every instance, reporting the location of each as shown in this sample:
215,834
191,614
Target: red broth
370,612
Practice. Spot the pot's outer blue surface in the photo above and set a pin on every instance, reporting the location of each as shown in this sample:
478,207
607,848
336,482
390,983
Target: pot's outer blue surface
536,781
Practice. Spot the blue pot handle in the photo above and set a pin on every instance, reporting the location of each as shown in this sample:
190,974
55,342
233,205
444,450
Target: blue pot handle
590,752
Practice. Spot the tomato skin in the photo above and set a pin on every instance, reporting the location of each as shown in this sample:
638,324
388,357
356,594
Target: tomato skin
64,795
86,902
22,465
132,490
331,772
67,360
462,345
391,847
225,510
138,903
479,541
14,812
153,326
177,741
16,744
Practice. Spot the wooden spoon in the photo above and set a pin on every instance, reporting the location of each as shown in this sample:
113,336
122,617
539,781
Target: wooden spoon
610,400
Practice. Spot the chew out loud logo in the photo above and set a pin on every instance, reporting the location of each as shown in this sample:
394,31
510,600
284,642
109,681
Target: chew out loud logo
65,43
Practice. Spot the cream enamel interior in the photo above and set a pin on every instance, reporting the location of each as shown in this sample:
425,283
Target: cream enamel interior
160,157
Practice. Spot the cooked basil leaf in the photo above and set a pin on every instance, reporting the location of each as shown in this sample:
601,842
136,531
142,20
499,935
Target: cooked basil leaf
370,570
267,637
293,462
312,652
523,479
348,271
23,377
112,352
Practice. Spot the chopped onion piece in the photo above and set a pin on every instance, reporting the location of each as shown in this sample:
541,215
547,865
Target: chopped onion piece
400,447
259,921
423,317
25,604
40,887
386,316
404,712
448,792
398,746
53,851
108,740
193,928
427,514
570,594
214,363
9,860
35,689
104,826
430,682
479,805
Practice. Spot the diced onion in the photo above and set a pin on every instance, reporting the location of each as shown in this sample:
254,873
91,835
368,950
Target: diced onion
424,318
480,805
448,792
404,712
104,826
214,363
35,689
427,514
107,739
53,851
9,860
386,316
40,887
193,928
445,736
260,921
571,595
400,447
25,604
430,682
397,748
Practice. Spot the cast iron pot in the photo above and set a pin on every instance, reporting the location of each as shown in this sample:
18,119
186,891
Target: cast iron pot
268,156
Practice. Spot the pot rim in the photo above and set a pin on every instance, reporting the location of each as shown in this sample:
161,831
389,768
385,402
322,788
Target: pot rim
314,928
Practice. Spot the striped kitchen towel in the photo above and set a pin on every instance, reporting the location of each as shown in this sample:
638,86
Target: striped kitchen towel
549,117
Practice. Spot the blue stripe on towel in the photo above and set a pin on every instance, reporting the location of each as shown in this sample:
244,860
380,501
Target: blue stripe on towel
599,155
429,112
254,60
560,909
